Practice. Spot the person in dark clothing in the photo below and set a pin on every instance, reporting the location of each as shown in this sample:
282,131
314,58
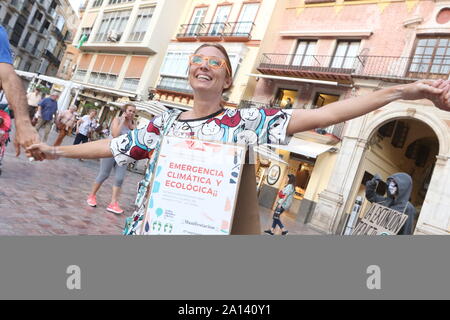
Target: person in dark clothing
399,191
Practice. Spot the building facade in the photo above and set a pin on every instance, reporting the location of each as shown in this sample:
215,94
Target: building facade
37,32
123,44
70,56
321,51
238,25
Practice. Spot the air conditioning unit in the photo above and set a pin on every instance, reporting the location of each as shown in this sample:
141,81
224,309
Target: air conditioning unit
113,36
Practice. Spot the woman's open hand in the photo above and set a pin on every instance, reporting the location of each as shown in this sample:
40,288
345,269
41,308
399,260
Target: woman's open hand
437,91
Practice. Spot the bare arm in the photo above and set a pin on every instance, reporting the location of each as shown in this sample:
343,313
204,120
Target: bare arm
92,150
26,134
340,111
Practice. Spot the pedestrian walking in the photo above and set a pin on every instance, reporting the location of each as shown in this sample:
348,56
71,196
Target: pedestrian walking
120,126
33,99
210,75
65,122
284,203
12,88
85,126
47,109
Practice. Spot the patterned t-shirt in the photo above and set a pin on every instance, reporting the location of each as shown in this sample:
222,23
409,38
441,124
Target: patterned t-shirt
249,126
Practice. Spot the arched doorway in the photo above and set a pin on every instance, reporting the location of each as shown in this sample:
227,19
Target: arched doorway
399,145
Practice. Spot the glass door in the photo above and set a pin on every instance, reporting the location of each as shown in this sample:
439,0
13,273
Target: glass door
246,18
196,21
220,18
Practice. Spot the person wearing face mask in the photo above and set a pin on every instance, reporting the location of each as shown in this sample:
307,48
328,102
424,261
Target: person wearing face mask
210,75
399,188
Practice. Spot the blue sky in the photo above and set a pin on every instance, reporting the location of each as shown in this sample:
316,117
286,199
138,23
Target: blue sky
75,4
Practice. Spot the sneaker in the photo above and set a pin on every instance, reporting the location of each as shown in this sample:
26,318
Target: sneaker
269,232
114,208
284,233
92,200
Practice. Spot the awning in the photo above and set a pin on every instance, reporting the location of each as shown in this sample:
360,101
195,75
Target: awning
177,106
265,152
111,91
330,83
152,107
306,148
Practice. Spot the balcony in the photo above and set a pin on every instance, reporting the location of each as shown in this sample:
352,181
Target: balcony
174,84
238,31
229,31
330,135
35,24
58,33
318,67
17,5
51,57
402,69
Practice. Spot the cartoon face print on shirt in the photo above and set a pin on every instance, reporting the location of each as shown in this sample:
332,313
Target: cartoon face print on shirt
275,128
252,118
232,118
211,130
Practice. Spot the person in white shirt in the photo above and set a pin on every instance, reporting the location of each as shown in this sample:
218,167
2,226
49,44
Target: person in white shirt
33,99
84,126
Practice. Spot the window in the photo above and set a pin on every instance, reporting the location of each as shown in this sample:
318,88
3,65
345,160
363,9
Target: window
345,55
304,54
112,21
97,3
220,18
130,84
103,79
432,55
196,21
141,25
246,18
118,1
176,64
79,75
86,32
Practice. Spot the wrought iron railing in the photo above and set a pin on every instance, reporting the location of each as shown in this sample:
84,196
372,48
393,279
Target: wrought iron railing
218,29
405,68
381,67
190,30
238,29
313,63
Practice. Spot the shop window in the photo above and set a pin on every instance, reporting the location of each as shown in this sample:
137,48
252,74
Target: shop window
286,98
323,99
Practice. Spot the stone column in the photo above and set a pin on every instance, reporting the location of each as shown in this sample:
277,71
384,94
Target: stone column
435,214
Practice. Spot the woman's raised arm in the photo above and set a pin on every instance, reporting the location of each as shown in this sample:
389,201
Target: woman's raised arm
340,111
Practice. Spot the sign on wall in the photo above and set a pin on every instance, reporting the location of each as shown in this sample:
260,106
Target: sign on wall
195,188
380,220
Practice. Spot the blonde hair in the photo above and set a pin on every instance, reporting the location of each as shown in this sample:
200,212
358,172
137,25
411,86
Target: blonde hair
125,106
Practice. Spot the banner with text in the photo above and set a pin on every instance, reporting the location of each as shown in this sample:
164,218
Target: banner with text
380,220
195,188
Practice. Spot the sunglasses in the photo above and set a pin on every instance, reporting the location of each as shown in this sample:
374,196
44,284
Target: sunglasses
213,62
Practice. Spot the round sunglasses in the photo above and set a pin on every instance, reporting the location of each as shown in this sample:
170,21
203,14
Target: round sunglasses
213,62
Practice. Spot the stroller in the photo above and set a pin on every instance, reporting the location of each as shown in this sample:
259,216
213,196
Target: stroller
5,128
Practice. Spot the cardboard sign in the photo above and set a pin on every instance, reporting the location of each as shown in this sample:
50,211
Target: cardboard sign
195,188
380,220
